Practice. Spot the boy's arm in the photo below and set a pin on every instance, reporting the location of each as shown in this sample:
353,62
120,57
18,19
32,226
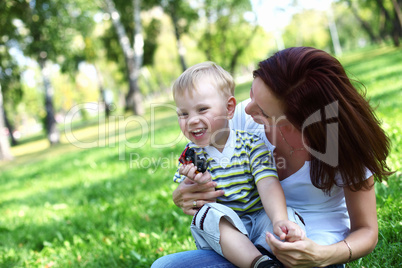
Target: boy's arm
263,168
271,192
273,200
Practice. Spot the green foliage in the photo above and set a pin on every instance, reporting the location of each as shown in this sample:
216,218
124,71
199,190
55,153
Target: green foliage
181,13
225,34
306,29
86,207
10,78
53,27
379,71
44,30
9,69
151,31
377,19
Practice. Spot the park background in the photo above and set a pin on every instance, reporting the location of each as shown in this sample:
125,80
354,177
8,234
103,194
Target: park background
91,139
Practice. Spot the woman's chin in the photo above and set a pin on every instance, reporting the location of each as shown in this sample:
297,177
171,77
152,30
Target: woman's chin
259,121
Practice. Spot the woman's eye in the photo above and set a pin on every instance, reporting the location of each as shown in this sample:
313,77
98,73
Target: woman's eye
266,116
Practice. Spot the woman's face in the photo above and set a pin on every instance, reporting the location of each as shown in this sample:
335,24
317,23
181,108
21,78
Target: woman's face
264,107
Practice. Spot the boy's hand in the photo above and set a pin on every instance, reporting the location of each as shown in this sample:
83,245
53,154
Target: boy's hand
190,171
288,231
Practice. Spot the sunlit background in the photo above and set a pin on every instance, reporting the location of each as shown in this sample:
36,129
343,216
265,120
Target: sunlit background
73,52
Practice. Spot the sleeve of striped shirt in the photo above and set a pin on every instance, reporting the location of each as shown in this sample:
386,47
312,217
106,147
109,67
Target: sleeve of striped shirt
177,177
261,161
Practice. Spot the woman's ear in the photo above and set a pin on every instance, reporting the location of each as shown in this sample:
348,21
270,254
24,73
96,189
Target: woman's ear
231,106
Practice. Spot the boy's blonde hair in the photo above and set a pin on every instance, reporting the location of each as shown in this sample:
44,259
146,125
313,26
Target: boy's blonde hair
189,79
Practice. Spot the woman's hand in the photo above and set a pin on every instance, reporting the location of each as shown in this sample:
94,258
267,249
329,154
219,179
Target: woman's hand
190,193
302,253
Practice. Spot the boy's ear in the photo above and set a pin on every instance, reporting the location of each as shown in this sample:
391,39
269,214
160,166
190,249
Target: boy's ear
231,106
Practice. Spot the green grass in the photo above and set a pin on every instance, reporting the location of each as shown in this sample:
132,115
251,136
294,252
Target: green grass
70,207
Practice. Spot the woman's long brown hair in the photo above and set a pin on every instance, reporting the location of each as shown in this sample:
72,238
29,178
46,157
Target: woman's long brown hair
308,80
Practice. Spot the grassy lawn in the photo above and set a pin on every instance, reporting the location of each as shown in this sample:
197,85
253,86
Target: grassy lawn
110,205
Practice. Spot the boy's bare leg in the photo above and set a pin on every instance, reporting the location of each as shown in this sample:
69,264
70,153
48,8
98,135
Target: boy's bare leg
236,247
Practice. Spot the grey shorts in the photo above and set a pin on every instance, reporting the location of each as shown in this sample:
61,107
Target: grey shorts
205,225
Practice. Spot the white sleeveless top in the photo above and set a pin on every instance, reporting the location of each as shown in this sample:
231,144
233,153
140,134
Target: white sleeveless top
326,216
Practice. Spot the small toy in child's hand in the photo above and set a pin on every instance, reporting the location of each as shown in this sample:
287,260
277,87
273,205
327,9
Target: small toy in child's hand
189,156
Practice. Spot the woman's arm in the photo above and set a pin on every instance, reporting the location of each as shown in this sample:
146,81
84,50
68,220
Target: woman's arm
188,191
362,239
363,220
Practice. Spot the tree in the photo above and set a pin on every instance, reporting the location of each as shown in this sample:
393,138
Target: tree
182,16
5,153
52,30
90,56
12,90
363,23
378,18
227,33
128,26
9,69
308,28
394,25
398,12
132,53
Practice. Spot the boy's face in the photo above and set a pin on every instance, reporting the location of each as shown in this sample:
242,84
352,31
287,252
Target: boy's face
203,117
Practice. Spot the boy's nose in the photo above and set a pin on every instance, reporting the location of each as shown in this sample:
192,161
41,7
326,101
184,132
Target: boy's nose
194,120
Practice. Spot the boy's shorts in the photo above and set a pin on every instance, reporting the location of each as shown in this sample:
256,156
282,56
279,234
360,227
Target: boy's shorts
205,225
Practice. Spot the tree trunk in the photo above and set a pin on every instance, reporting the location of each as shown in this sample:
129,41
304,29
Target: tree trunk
397,18
134,96
398,12
365,25
240,49
10,128
208,33
102,92
180,47
133,57
394,32
334,32
5,153
53,133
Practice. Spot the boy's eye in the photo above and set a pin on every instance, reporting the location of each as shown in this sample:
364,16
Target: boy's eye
203,109
181,115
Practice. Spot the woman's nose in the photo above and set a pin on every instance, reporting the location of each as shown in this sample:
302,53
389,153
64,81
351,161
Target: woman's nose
250,108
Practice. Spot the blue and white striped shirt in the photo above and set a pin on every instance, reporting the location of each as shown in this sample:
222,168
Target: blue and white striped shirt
244,161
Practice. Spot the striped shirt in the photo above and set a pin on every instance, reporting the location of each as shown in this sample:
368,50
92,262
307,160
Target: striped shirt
244,161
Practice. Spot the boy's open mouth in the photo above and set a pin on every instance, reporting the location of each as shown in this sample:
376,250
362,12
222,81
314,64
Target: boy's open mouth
198,132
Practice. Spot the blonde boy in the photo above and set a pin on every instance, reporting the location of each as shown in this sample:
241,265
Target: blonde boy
240,164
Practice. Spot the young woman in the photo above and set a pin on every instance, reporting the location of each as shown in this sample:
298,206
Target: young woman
327,145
